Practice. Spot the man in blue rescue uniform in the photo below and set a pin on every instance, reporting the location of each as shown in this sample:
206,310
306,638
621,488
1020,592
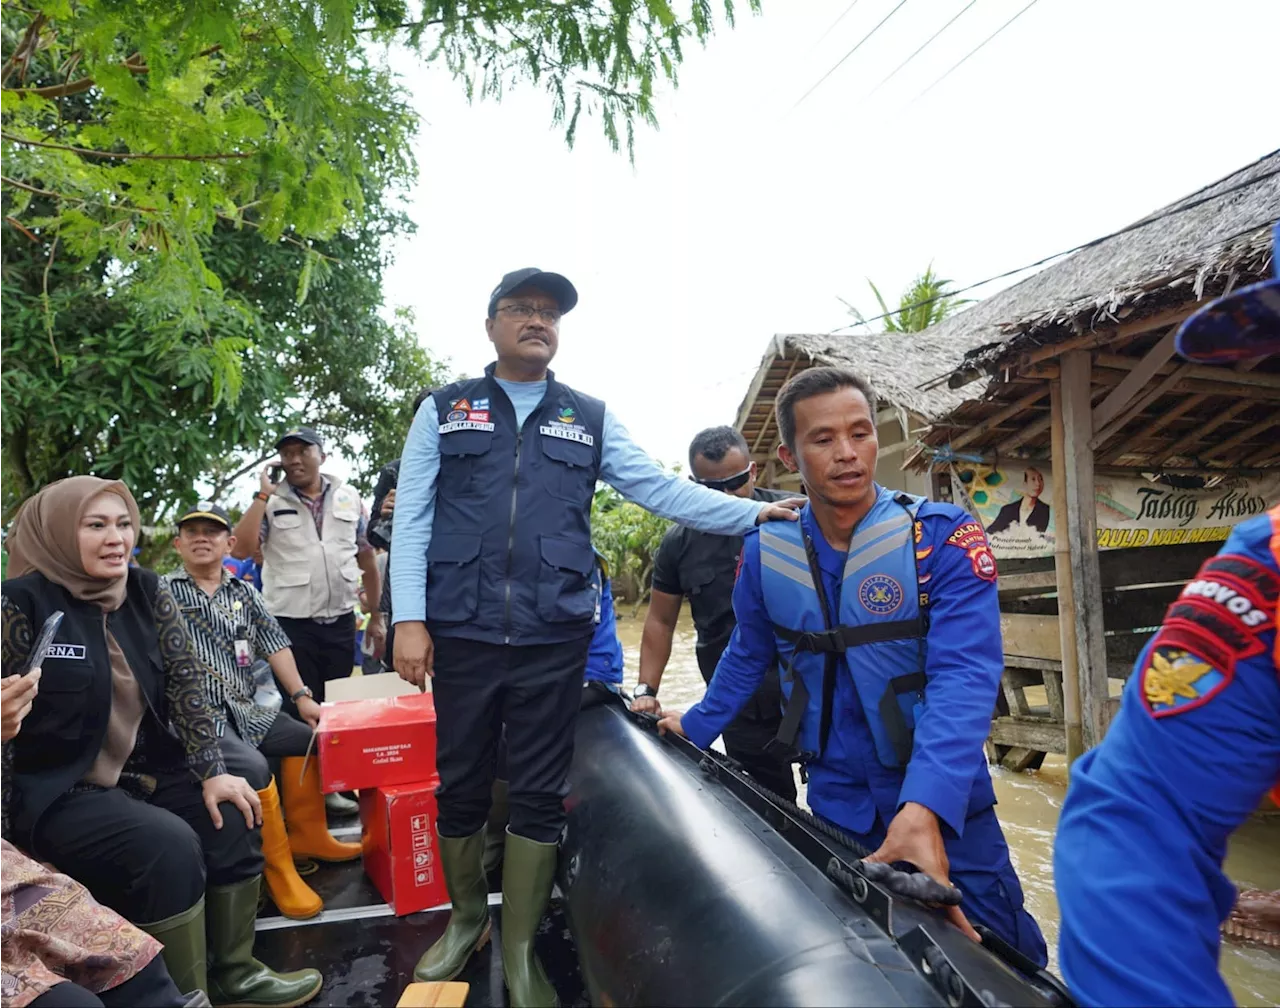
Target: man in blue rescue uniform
880,609
1189,756
493,596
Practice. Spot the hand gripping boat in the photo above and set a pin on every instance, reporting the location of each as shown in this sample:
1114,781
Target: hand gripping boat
685,883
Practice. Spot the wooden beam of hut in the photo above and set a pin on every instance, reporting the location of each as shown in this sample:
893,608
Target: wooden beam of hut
1155,427
1253,430
1134,408
999,417
1143,371
1062,577
1229,376
1081,529
1202,431
1096,338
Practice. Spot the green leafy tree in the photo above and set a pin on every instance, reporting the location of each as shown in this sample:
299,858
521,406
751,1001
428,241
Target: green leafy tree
628,537
923,304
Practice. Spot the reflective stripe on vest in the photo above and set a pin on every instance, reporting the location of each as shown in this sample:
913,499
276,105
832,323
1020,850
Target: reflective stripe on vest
879,640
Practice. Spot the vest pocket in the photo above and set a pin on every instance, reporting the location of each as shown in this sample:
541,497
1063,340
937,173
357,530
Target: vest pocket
453,578
572,477
62,701
565,592
460,452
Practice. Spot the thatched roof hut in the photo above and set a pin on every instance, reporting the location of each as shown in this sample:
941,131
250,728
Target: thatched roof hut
893,364
1121,299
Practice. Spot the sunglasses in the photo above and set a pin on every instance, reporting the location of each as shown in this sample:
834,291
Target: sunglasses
729,484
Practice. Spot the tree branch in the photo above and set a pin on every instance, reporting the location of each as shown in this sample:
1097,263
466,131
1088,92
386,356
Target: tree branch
85,152
132,64
222,485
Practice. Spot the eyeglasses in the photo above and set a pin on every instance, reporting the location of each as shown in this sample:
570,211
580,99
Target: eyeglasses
524,312
729,484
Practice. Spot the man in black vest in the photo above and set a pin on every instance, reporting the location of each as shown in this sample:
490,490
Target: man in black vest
495,490
702,566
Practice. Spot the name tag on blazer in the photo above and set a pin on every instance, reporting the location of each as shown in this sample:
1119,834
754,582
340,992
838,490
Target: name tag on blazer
75,651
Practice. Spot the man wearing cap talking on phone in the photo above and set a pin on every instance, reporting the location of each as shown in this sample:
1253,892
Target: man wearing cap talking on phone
312,531
492,597
1192,751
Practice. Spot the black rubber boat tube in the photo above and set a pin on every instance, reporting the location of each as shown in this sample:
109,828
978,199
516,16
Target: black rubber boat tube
680,892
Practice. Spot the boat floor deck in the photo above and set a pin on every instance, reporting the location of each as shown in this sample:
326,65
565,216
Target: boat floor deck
367,954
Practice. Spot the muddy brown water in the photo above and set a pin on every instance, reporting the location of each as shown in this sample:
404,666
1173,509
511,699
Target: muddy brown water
1028,808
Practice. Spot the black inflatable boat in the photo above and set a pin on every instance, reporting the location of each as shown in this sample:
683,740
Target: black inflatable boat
681,883
686,884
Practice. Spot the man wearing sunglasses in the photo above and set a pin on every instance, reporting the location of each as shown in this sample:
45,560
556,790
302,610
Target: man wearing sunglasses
492,596
701,566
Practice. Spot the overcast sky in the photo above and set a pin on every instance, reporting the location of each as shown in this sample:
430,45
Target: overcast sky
745,216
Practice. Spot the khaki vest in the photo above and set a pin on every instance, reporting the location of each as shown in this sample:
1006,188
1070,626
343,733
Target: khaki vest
305,575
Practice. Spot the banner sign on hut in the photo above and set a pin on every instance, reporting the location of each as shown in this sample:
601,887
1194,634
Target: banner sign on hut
1015,507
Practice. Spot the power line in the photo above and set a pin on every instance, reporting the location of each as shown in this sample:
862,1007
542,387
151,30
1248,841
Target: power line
1089,244
847,55
918,51
831,27
974,51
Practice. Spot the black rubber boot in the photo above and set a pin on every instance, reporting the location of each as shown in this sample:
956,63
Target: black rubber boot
182,936
527,874
462,859
236,978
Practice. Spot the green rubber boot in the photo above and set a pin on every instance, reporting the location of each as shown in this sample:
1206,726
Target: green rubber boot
495,832
527,874
462,859
182,936
236,978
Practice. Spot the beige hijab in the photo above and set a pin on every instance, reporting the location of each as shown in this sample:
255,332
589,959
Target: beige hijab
45,538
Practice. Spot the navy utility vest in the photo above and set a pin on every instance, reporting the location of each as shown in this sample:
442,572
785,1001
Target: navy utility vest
63,734
510,559
879,639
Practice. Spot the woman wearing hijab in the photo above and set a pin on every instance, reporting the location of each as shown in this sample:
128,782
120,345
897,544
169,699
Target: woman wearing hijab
60,947
116,775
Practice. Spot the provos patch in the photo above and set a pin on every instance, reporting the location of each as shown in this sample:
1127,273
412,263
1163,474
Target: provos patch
970,538
1218,619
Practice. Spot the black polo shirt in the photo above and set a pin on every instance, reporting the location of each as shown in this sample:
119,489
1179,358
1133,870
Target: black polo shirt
701,567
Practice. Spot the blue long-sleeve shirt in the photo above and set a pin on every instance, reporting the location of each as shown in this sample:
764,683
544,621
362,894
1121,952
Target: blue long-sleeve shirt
623,465
1144,828
848,784
604,659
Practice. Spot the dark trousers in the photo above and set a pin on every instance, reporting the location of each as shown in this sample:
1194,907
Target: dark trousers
747,735
150,987
287,736
532,691
147,860
322,650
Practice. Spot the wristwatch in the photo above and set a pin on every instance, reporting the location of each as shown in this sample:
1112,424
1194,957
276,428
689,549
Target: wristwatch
643,689
305,691
262,496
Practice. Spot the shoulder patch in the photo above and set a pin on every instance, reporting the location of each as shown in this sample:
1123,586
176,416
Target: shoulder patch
1218,619
1176,680
970,537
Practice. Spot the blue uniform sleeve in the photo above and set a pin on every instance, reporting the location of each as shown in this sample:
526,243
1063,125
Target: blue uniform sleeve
604,659
415,511
745,661
963,664
1144,828
630,471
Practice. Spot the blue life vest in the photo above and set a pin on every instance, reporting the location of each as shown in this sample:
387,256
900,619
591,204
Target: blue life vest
510,559
879,640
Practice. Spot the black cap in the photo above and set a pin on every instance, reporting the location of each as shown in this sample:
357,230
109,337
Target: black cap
552,283
209,512
307,435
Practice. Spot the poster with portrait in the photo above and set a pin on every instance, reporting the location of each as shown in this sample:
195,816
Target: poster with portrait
1015,506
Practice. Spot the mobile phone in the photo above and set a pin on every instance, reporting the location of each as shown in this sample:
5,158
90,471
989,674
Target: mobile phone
277,473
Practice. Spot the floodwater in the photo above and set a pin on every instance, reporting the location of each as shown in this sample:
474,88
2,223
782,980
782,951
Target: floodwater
1028,808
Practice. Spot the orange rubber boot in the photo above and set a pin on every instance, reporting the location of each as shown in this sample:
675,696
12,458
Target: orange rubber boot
291,895
304,813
